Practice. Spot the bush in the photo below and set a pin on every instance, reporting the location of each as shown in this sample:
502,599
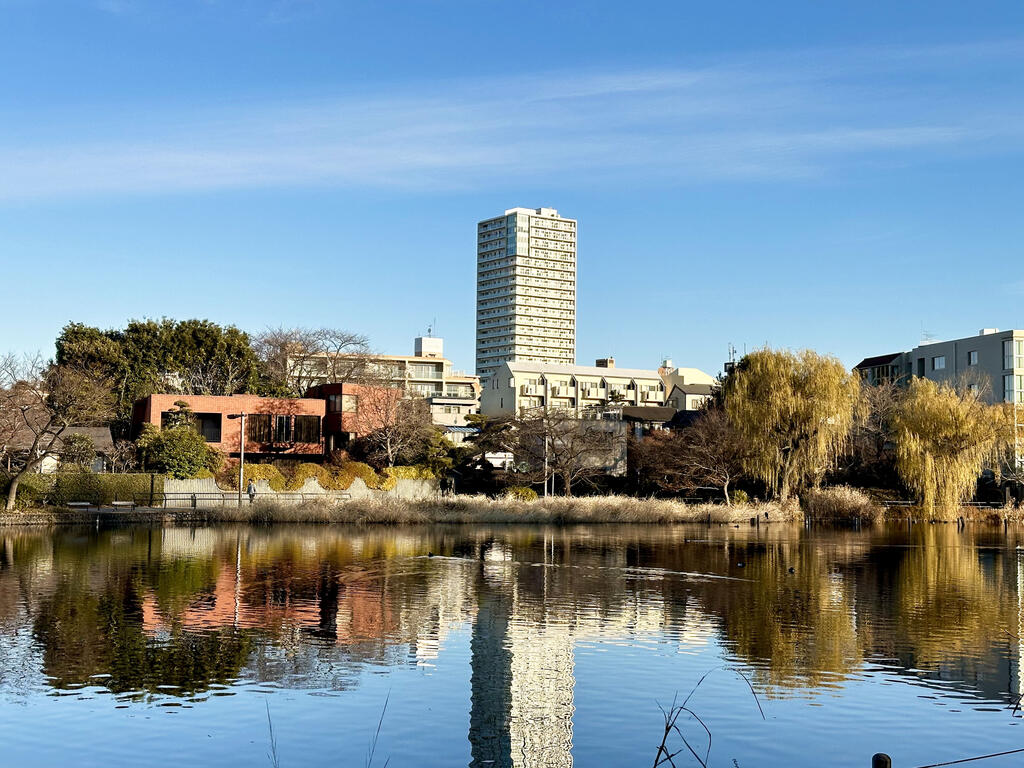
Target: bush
415,472
180,452
267,472
32,490
520,493
840,503
740,497
102,489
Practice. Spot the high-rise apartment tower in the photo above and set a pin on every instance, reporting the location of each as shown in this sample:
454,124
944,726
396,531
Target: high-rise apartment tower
525,289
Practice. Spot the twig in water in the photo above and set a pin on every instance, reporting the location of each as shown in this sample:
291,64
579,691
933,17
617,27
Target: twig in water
373,742
665,755
275,761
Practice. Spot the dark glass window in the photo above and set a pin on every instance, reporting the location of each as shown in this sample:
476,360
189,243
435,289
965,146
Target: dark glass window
282,429
208,425
258,428
307,429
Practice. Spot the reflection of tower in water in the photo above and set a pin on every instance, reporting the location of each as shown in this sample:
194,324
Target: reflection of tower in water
522,678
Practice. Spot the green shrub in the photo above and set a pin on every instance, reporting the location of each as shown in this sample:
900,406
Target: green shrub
740,497
103,488
520,493
177,451
416,472
267,472
32,490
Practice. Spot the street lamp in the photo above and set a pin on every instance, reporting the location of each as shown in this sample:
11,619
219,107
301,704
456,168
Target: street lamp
241,453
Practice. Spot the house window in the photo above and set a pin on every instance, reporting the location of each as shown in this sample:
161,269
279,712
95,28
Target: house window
258,428
1013,353
307,429
1013,388
349,403
939,363
208,425
920,366
282,429
972,357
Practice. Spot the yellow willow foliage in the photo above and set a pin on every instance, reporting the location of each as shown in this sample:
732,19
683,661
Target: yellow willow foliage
793,411
944,438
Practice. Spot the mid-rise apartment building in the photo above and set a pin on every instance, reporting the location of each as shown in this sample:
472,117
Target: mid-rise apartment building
427,373
519,386
526,289
992,363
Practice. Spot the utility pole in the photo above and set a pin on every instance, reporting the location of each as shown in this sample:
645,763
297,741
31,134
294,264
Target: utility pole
241,454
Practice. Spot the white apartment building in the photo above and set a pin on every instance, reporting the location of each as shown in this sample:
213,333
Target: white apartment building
520,385
526,289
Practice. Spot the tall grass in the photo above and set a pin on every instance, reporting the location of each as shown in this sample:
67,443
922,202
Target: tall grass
840,503
482,509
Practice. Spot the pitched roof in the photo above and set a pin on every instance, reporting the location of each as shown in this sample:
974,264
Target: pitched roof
581,370
100,436
871,362
648,412
693,389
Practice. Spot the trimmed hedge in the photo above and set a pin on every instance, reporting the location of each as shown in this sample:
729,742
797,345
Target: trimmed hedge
62,488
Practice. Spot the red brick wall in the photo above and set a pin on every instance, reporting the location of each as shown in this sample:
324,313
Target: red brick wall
150,409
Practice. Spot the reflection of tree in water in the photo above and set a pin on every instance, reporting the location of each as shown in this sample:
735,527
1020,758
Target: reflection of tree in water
309,606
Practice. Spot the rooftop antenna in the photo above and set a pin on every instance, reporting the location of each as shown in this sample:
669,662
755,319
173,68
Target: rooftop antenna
430,328
732,352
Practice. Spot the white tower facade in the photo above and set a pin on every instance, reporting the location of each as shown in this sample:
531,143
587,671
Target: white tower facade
525,289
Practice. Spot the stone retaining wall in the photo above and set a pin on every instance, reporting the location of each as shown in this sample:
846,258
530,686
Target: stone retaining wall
208,495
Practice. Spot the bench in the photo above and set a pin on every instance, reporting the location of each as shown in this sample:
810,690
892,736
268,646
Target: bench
82,505
129,505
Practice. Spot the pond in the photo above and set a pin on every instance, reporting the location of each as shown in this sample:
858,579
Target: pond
509,645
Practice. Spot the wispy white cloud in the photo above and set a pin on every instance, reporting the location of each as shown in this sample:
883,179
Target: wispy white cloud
808,115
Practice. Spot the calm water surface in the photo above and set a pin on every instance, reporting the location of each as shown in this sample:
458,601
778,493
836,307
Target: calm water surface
509,646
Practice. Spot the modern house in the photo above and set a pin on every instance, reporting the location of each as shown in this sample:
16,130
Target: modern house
353,411
525,289
992,363
275,427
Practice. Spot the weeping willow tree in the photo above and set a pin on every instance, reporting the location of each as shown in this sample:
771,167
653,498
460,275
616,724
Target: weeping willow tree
944,438
794,413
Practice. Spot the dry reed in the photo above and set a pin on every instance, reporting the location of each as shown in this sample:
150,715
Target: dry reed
840,503
482,509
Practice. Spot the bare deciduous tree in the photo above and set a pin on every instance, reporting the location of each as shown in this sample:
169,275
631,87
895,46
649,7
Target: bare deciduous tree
124,456
706,455
296,359
39,402
549,442
396,427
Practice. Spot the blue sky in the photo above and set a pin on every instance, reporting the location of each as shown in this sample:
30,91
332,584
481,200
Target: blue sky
842,176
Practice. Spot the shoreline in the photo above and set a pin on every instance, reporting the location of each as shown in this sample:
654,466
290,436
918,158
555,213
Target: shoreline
470,510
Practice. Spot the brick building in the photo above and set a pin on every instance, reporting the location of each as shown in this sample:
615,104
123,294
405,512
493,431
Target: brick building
354,411
286,427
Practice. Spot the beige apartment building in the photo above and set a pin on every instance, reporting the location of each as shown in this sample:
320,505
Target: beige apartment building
426,373
526,289
521,385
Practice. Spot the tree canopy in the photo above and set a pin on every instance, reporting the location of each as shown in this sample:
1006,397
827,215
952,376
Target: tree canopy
793,411
944,437
189,357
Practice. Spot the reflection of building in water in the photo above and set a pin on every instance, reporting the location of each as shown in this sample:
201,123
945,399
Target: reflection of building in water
523,657
522,676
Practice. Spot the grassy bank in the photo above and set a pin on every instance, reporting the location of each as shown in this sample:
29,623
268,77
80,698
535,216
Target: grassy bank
481,509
